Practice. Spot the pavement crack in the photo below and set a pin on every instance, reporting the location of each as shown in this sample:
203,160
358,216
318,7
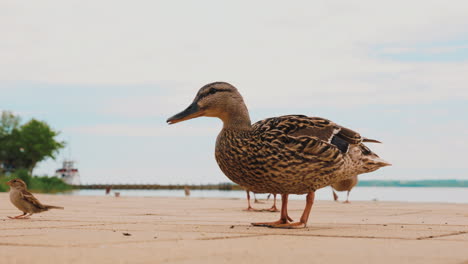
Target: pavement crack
6,236
27,245
232,237
409,213
52,227
443,235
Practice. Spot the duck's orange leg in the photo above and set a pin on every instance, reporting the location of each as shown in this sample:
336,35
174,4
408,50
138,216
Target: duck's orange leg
347,198
305,215
284,214
256,200
249,208
335,196
273,208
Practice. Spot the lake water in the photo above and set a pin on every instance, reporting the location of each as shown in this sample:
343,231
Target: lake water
403,194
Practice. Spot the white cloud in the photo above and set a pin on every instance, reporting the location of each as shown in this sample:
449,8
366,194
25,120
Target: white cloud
305,53
118,42
394,83
424,50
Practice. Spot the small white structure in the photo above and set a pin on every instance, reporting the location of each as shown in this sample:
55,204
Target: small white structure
68,173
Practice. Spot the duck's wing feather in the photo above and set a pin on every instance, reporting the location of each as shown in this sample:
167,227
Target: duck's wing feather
29,197
295,127
299,139
299,125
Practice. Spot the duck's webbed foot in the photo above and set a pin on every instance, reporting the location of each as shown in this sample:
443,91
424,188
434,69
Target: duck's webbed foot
347,198
289,225
251,209
273,224
284,219
304,218
272,209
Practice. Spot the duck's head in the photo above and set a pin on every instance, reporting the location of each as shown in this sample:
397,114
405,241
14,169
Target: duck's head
365,159
218,99
17,184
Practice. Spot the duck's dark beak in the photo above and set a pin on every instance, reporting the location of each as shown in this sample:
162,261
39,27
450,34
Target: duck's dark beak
191,112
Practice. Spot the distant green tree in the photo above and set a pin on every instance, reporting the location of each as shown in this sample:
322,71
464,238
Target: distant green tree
35,142
25,146
8,123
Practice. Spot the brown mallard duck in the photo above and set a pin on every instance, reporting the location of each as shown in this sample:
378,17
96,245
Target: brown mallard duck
344,185
292,154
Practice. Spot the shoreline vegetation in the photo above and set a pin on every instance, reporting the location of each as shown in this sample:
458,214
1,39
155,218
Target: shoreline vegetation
46,184
415,183
35,184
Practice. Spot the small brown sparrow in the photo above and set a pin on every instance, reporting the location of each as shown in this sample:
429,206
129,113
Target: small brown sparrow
25,201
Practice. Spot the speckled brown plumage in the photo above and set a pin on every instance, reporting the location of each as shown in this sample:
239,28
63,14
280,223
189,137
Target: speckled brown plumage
292,154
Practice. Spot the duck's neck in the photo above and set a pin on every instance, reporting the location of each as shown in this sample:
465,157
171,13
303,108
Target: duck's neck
237,118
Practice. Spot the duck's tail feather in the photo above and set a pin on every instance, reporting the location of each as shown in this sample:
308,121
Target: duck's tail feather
370,140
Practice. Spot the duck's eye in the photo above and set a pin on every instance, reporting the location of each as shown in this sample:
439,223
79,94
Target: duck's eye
212,91
365,150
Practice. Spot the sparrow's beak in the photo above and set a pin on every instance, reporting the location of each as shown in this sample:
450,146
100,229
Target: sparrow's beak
8,183
192,111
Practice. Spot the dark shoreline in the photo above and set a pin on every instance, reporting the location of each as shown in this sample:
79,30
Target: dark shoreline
230,186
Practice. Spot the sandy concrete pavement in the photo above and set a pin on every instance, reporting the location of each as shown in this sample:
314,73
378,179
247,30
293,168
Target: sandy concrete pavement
197,230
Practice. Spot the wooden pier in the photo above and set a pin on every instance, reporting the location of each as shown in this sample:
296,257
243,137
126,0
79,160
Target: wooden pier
221,186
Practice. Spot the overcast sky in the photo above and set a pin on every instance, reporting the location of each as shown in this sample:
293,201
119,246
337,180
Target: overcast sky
107,74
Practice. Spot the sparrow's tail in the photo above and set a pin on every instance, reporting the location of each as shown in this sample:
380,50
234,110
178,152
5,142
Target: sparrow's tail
54,207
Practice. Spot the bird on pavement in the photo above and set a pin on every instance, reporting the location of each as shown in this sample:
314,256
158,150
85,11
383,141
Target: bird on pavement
25,201
344,185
